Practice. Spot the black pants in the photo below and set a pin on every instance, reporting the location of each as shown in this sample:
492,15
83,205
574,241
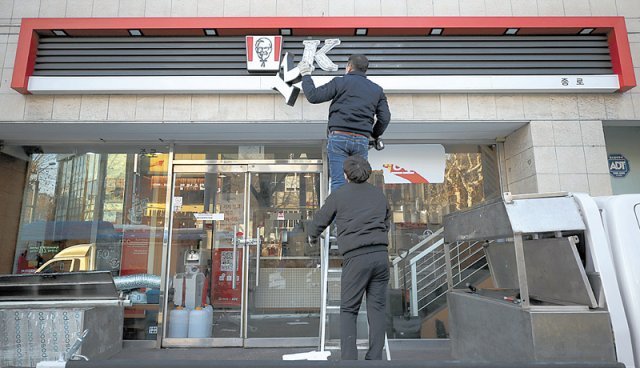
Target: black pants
368,273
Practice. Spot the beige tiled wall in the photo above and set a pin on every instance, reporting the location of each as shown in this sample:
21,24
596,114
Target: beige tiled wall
558,155
16,9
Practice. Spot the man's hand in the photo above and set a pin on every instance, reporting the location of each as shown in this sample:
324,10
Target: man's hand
376,143
305,69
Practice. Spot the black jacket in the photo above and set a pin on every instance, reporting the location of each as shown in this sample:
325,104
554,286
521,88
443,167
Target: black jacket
362,217
355,100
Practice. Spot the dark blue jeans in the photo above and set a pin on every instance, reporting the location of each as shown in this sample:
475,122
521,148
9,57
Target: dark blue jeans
339,147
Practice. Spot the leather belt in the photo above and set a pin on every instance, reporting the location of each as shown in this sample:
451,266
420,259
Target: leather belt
348,133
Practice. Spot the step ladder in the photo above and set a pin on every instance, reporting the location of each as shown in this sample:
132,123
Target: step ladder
330,307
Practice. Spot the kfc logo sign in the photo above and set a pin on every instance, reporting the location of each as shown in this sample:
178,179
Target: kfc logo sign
263,53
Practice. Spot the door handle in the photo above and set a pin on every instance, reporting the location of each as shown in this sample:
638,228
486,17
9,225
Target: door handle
235,257
258,251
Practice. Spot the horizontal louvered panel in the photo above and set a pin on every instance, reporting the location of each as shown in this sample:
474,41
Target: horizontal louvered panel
372,65
379,52
383,72
456,55
372,59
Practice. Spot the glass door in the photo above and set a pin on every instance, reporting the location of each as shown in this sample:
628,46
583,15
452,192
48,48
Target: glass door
284,274
205,301
240,271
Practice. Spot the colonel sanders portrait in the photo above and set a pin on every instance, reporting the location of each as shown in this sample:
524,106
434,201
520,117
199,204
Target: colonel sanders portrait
263,49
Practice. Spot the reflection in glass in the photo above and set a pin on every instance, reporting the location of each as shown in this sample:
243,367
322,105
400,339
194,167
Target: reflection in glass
112,200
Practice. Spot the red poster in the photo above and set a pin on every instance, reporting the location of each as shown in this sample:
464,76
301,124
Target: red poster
222,291
135,252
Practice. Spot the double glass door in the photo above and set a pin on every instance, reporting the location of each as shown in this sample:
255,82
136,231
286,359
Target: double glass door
240,271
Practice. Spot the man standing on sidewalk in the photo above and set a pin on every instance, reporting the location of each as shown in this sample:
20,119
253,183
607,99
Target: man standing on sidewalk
355,102
362,215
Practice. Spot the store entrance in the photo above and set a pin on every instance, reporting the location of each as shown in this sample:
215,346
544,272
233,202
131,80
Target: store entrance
240,271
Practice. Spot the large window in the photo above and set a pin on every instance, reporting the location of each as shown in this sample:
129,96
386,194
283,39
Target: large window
115,201
471,177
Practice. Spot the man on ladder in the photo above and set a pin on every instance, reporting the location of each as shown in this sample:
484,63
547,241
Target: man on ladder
362,216
358,112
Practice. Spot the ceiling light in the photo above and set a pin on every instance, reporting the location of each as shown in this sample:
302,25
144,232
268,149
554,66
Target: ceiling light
285,32
436,31
59,32
586,31
135,32
361,31
511,31
210,32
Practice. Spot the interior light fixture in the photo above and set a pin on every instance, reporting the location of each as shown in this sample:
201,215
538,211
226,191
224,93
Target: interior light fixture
285,32
436,31
511,31
361,31
210,32
59,32
135,32
586,31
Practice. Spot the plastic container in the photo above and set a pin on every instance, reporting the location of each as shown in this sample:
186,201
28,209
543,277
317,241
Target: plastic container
209,310
179,322
199,326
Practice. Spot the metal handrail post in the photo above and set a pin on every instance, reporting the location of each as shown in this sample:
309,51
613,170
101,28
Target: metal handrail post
414,290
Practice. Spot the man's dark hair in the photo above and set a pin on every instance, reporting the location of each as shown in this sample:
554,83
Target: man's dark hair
359,62
357,169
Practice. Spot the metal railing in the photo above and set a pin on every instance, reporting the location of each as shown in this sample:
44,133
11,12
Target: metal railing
425,243
428,271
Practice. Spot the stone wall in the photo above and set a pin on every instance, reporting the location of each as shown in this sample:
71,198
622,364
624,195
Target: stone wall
551,156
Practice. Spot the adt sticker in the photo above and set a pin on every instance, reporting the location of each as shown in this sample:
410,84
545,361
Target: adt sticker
618,165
